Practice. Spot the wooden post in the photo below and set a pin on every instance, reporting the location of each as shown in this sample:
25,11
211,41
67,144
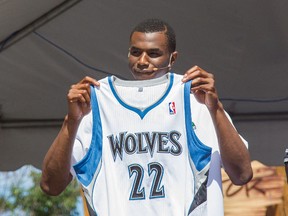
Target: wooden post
86,212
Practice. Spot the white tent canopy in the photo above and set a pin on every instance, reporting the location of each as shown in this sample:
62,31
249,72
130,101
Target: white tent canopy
45,46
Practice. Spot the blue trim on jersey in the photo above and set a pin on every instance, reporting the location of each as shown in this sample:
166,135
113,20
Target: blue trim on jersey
86,168
136,110
200,153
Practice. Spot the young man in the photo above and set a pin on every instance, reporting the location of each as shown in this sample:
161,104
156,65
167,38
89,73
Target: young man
151,146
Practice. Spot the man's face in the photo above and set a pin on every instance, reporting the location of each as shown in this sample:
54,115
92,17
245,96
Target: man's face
147,52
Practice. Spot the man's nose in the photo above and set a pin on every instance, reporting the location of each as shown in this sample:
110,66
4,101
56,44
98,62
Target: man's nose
143,60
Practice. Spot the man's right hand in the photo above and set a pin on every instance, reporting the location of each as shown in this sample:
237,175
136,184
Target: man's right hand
78,98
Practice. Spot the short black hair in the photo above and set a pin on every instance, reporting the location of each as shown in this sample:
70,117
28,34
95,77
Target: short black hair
157,25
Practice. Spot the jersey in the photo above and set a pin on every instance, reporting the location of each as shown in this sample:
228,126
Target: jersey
144,157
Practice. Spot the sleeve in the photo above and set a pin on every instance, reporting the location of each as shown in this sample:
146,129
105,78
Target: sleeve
82,141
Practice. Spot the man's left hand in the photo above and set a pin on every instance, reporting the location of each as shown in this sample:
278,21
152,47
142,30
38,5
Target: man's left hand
203,86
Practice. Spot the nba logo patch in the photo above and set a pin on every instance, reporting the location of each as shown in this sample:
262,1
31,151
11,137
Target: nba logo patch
172,108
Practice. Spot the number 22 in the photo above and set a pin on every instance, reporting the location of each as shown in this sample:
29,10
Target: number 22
156,191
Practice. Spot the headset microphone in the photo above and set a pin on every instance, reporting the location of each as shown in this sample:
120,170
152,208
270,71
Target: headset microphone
156,69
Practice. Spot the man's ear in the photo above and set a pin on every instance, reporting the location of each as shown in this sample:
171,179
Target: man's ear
174,57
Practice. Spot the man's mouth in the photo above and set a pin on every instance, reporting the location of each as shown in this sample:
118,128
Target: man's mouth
145,70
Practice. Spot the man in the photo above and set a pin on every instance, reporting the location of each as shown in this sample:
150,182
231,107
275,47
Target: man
133,159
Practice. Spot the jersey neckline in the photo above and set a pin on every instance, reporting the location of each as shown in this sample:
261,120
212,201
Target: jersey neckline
167,78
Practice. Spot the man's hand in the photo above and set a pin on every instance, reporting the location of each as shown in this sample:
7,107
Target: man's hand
78,98
203,87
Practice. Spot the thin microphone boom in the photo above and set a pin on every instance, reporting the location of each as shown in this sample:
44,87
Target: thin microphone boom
168,66
156,69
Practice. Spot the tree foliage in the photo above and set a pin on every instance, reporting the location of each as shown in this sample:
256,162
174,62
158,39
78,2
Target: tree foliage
32,201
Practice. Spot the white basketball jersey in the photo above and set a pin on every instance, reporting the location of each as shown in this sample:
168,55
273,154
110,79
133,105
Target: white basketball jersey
144,157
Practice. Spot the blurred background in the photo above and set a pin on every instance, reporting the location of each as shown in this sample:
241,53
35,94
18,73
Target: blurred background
45,46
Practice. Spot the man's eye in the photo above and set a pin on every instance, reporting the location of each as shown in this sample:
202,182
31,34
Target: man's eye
153,54
136,53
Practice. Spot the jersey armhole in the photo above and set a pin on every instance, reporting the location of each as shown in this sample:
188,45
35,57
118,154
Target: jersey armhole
199,152
86,168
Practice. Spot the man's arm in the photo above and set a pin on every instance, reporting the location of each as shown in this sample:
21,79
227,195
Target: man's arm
57,162
234,154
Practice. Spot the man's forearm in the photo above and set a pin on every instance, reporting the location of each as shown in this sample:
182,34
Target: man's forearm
57,162
234,154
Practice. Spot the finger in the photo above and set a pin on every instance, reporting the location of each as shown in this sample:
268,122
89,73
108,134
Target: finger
78,95
204,88
194,68
188,74
90,80
195,72
79,86
198,81
86,94
80,98
202,81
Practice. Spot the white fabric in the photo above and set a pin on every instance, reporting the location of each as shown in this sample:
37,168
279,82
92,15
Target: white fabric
204,130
